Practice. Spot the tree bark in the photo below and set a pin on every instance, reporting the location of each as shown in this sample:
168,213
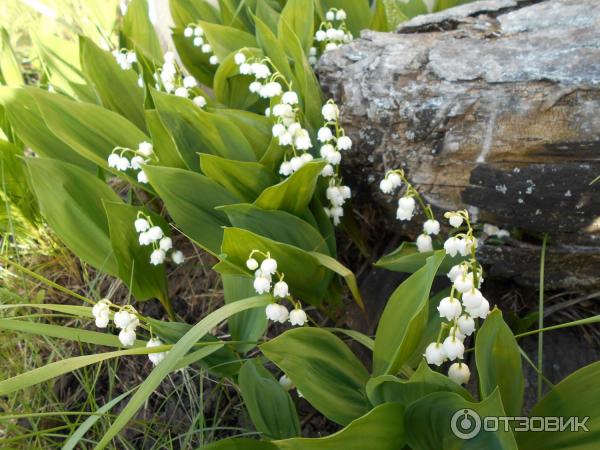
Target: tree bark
493,106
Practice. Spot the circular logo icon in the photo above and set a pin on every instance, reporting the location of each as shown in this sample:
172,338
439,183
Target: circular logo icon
465,424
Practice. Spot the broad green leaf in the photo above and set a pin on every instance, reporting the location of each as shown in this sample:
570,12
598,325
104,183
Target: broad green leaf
268,15
255,127
13,183
388,388
413,8
60,63
379,21
307,279
335,266
63,332
196,62
232,88
358,12
499,363
145,281
116,88
277,225
379,429
324,369
407,258
247,326
404,319
577,396
139,31
10,71
299,15
245,180
235,14
171,360
307,85
294,193
78,311
268,403
186,12
428,423
28,123
71,202
165,148
225,39
197,131
268,42
359,337
191,199
89,129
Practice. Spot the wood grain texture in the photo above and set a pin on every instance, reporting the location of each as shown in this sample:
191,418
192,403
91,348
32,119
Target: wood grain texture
493,106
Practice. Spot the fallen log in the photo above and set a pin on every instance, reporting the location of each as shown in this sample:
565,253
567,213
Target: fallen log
493,106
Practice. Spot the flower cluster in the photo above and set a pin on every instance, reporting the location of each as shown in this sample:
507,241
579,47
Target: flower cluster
125,58
150,234
118,159
263,284
395,179
170,79
196,34
125,319
465,303
331,34
285,110
333,143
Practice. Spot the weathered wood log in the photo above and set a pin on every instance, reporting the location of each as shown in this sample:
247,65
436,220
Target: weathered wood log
493,106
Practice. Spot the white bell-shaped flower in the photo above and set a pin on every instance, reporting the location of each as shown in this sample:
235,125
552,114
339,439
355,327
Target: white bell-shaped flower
466,324
127,337
435,354
286,382
431,226
262,285
344,143
340,15
272,311
101,312
455,220
289,98
455,272
455,331
330,112
327,171
395,179
320,36
285,169
181,92
453,347
136,162
239,58
141,224
199,101
113,160
481,311
142,177
252,264
452,245
268,266
123,164
157,257
280,289
177,257
472,299
464,283
459,373
166,244
298,317
324,134
424,243
155,233
386,186
155,358
450,308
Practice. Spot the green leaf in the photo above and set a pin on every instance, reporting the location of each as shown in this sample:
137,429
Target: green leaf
428,423
268,15
255,127
268,403
139,31
224,39
27,122
89,129
191,199
10,71
335,266
307,279
324,369
294,193
165,148
171,360
245,180
577,396
499,363
144,280
116,88
267,40
14,188
241,444
379,429
63,332
358,12
407,258
197,131
404,319
276,225
388,388
413,8
379,21
299,15
71,202
196,62
231,88
186,12
248,325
